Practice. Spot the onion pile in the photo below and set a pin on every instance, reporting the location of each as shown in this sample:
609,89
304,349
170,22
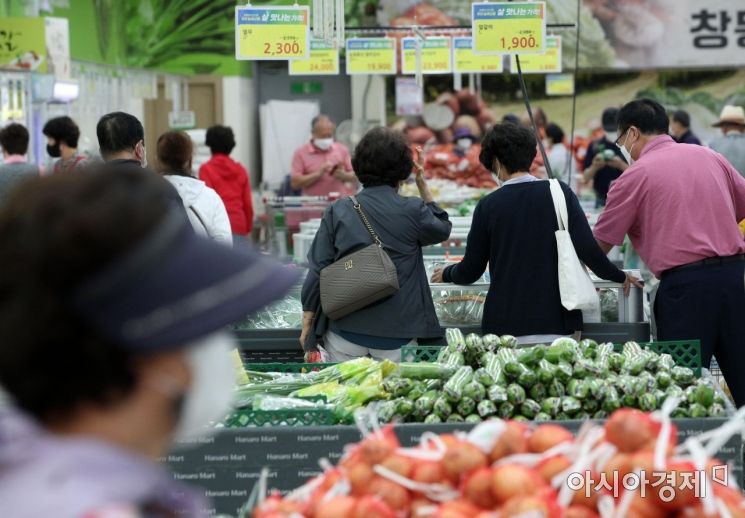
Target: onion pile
507,469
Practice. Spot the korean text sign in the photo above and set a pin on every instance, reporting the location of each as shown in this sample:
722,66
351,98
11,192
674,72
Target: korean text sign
275,33
508,28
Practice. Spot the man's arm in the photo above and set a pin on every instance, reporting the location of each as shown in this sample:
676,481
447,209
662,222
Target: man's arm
306,180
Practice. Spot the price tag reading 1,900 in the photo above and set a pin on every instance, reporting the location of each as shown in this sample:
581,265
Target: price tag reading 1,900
371,56
508,28
324,60
549,62
276,33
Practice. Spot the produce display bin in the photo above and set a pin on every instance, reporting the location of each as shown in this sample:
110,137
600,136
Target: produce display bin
227,465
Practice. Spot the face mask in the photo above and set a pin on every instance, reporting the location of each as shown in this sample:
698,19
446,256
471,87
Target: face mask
323,143
464,143
627,152
496,176
210,393
611,135
143,155
54,151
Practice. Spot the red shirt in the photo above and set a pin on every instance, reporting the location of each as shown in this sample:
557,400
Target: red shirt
309,159
679,203
230,180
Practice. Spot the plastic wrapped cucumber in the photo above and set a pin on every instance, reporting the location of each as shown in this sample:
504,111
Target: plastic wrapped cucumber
570,405
465,406
683,375
537,391
556,389
455,418
516,394
497,394
453,388
542,417
508,341
473,419
491,342
551,406
454,338
482,376
558,352
531,355
530,408
475,391
493,364
432,418
442,408
424,405
486,408
546,372
506,410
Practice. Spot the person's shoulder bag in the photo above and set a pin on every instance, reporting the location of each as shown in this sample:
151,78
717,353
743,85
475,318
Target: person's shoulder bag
358,279
575,286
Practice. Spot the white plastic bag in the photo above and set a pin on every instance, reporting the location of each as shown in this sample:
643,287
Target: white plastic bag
576,287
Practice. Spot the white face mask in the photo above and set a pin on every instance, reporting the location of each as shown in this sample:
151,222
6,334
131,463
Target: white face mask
323,143
212,387
627,152
496,176
611,135
464,143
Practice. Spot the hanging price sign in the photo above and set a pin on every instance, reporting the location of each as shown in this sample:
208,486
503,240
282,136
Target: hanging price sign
508,28
437,57
276,33
371,56
324,60
466,62
560,84
550,62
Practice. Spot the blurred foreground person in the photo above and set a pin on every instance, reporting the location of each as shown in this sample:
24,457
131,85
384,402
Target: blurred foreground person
112,344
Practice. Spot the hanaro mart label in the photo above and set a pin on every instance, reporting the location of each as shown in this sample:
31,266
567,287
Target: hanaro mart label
560,84
277,33
508,28
324,60
465,61
371,56
437,57
548,63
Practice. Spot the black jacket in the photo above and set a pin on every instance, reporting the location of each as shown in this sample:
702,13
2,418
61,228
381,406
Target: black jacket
513,230
404,225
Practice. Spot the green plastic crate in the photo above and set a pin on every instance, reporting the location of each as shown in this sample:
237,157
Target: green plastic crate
288,417
686,353
286,367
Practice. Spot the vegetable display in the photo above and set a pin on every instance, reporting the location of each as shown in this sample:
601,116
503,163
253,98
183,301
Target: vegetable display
504,469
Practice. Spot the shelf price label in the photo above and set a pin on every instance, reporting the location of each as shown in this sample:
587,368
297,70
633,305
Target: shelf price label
465,61
271,33
324,60
508,28
560,84
371,56
548,63
437,57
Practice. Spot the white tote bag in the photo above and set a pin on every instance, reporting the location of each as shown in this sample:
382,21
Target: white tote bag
576,287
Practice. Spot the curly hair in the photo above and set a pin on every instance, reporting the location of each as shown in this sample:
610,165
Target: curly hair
175,152
62,129
382,157
220,139
55,233
513,145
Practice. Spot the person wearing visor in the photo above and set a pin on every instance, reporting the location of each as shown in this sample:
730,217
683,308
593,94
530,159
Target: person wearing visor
113,344
62,143
322,166
680,206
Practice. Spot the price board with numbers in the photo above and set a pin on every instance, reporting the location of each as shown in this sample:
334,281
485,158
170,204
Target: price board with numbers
272,33
508,28
324,60
548,63
371,56
560,84
436,55
466,62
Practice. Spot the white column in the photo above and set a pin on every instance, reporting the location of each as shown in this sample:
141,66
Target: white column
240,112
375,106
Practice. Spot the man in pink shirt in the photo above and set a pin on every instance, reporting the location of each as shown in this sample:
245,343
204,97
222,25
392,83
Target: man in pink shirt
323,166
680,204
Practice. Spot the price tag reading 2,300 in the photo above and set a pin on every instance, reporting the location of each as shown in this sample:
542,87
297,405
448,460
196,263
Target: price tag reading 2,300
371,56
508,28
276,33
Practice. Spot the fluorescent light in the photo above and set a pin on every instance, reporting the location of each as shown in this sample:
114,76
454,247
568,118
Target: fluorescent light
66,91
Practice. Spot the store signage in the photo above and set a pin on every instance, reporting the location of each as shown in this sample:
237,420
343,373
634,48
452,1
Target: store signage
182,120
409,97
306,87
371,56
549,62
560,84
508,28
436,55
57,36
324,60
466,62
22,44
272,33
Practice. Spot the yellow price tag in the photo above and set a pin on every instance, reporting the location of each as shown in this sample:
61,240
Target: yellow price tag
560,84
324,60
275,33
466,62
550,62
371,56
436,56
508,28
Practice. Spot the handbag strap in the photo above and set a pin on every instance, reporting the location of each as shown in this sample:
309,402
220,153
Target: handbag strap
201,221
368,226
560,204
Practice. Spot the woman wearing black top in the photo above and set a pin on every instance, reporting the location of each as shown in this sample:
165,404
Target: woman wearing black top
513,232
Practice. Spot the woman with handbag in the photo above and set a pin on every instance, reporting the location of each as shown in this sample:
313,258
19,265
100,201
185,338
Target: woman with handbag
367,293
516,232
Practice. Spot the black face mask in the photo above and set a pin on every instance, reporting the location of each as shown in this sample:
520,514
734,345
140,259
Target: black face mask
54,151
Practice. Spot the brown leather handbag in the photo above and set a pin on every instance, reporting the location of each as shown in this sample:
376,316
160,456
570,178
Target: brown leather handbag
358,279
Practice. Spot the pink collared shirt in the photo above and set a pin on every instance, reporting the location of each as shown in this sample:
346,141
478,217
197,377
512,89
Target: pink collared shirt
15,159
309,159
679,203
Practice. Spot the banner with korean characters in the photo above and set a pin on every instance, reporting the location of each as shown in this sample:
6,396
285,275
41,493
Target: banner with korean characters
436,55
272,33
547,63
508,28
371,56
466,62
559,84
323,61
